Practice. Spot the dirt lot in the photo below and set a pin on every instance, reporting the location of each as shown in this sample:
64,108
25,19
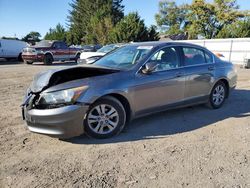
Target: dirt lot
191,147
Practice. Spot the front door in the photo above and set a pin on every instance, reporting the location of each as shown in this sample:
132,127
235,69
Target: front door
61,51
162,87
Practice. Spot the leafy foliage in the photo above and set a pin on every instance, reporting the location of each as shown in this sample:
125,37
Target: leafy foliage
58,33
171,17
239,29
132,28
9,38
84,14
200,18
32,37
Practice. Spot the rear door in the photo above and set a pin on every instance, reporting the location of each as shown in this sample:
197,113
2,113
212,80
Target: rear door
199,72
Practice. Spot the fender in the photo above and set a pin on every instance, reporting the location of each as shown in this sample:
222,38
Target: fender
218,79
49,52
78,52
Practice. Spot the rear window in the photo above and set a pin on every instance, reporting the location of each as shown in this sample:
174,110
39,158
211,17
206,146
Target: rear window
44,43
193,56
209,58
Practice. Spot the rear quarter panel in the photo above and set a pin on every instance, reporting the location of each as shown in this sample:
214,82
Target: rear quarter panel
226,70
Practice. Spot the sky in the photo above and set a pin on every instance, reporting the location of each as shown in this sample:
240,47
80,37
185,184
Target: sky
19,17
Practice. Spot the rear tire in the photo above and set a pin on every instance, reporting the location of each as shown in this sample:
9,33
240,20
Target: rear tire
48,59
218,95
105,118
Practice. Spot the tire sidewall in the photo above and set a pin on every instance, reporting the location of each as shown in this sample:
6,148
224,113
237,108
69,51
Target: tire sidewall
214,106
28,62
19,58
46,59
122,118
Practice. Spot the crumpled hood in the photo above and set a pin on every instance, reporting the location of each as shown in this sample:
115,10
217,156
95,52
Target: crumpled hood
54,77
41,80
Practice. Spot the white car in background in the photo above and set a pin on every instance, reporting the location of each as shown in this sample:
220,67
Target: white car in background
12,49
91,57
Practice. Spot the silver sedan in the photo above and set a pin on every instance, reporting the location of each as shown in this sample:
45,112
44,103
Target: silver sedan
133,81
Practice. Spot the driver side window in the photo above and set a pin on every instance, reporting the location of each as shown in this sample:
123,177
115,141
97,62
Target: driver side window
166,59
56,45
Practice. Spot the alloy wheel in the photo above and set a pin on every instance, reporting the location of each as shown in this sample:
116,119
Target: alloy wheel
103,119
218,95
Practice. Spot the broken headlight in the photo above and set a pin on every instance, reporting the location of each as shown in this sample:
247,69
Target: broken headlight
61,98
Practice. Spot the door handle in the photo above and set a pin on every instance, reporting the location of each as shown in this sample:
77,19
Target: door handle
210,68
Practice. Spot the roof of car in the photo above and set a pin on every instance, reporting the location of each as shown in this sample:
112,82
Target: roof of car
162,43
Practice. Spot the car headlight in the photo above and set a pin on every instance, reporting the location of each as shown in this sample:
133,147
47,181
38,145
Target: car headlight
39,51
62,97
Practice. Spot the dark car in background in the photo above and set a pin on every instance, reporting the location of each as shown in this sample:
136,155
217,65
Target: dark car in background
130,82
49,51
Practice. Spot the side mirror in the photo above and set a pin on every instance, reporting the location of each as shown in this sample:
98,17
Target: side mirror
149,67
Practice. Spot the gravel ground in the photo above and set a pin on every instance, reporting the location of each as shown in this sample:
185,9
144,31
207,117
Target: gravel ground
190,147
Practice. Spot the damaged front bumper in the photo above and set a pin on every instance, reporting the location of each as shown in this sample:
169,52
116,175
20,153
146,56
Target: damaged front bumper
63,122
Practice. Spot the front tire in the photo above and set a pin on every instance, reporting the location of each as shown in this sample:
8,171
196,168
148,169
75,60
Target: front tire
105,118
28,62
218,95
19,58
48,59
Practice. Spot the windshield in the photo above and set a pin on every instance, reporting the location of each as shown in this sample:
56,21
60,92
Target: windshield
107,49
124,57
44,43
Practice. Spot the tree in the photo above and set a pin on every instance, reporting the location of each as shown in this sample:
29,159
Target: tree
100,25
10,38
208,19
99,30
200,18
239,29
85,10
171,18
153,35
32,37
130,28
58,33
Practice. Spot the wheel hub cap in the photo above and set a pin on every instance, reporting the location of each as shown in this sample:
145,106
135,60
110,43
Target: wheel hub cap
218,95
103,119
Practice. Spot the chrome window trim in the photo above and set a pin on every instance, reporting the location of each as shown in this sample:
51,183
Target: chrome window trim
198,65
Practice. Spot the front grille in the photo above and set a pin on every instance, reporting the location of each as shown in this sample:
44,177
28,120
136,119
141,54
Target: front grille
29,50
